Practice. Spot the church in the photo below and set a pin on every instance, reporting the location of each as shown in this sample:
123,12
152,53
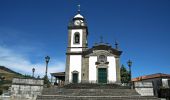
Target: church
98,64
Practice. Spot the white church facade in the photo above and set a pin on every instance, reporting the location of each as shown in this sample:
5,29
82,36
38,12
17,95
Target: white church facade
99,64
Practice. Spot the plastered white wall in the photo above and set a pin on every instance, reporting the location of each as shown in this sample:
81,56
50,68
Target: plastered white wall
92,69
165,83
111,69
75,65
76,49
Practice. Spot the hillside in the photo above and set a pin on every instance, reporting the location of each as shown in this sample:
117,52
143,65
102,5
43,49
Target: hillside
6,76
5,69
8,73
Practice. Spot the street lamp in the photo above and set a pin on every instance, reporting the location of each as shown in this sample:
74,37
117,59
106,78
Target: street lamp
47,59
130,64
33,70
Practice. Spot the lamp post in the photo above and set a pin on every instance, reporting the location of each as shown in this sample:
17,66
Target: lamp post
130,73
33,70
47,59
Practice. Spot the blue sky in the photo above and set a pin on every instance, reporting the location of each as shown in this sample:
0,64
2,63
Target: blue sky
32,29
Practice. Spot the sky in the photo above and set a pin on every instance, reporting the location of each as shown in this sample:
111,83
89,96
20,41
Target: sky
33,29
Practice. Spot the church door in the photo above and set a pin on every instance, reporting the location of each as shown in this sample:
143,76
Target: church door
75,77
102,75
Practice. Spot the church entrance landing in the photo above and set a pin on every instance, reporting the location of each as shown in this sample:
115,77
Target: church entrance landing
102,75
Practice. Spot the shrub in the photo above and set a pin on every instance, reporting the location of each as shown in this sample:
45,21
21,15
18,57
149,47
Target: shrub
164,92
1,91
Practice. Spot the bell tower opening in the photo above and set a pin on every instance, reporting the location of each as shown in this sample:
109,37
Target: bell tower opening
77,38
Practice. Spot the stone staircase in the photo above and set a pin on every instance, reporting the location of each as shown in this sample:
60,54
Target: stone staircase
95,98
91,92
95,86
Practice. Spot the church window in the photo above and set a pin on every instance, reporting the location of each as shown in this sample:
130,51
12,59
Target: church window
77,38
102,58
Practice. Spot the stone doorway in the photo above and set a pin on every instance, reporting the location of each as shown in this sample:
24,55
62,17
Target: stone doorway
75,77
102,75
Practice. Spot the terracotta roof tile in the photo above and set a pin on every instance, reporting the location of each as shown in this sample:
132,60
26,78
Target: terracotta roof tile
152,76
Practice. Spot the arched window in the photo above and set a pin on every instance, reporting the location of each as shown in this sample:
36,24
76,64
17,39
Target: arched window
77,38
102,58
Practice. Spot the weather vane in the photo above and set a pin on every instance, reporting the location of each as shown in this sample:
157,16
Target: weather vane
78,8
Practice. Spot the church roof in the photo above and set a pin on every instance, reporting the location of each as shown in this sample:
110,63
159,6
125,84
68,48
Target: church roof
58,74
78,16
103,46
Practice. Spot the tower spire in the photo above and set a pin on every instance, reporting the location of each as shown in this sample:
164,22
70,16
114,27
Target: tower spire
78,8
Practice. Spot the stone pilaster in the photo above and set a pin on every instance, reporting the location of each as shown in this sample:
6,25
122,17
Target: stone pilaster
85,60
118,78
69,40
67,67
85,69
84,37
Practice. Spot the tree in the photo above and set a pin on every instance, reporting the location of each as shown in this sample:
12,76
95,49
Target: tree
26,76
46,81
125,76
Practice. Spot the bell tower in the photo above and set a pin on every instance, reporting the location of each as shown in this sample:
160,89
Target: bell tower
77,43
77,34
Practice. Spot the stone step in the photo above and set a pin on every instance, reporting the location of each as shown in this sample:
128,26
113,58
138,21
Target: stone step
89,92
95,86
64,97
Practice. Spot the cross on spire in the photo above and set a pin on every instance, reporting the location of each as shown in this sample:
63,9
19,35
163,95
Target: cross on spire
78,8
116,45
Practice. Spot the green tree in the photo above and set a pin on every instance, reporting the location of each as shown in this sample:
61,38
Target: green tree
125,76
26,76
46,81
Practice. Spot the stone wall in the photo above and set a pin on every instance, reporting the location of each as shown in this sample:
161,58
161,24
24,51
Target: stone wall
22,89
144,88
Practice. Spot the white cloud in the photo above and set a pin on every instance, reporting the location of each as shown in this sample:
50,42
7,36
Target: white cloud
20,63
